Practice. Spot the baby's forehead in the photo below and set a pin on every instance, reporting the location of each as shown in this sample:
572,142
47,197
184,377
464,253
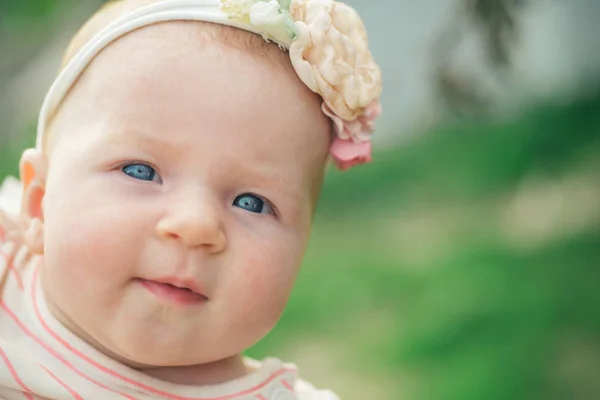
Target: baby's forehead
198,31
173,66
170,45
198,50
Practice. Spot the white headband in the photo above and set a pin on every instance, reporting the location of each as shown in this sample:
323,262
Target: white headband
350,92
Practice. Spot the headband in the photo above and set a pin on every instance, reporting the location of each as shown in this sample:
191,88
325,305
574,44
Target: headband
326,41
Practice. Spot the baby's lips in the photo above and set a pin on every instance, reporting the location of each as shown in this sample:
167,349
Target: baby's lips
180,295
182,283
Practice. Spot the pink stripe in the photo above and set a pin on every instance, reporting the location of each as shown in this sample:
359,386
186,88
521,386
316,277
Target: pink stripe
14,374
53,353
2,234
13,269
128,380
73,393
287,385
261,397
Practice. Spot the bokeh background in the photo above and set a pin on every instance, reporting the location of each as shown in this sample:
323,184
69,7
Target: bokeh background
464,262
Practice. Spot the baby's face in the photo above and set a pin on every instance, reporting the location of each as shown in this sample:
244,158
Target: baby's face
180,163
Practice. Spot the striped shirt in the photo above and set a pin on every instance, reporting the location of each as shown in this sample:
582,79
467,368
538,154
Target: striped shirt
41,359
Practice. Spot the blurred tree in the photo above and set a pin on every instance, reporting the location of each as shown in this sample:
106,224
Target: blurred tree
497,24
26,26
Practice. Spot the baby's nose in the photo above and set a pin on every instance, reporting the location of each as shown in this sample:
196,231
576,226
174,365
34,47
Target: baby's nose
196,221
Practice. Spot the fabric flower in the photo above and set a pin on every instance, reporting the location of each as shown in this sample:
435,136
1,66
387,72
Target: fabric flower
237,9
266,14
332,57
345,149
359,129
273,22
347,154
330,53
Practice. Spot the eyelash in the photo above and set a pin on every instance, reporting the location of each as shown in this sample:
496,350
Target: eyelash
272,207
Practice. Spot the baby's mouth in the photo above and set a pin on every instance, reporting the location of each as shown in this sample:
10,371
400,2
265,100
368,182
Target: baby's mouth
178,293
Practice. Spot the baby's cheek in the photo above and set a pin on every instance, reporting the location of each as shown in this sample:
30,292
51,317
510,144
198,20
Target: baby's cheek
86,250
263,284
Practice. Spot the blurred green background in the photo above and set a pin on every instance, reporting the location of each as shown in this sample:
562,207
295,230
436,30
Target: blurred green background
464,262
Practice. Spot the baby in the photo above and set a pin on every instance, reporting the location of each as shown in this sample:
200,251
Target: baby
165,210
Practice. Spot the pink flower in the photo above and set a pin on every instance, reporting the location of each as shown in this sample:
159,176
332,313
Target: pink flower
347,154
360,128
352,144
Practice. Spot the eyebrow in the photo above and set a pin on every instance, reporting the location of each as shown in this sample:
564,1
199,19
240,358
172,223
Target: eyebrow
119,137
266,174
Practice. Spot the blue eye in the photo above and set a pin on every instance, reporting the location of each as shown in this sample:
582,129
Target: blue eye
252,203
142,172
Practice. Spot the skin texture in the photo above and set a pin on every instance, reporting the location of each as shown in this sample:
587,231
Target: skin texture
214,122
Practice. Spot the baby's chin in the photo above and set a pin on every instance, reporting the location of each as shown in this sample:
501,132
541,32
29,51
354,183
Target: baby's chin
148,356
182,366
177,349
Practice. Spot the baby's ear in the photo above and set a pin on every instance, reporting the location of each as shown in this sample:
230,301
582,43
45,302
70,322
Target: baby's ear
33,170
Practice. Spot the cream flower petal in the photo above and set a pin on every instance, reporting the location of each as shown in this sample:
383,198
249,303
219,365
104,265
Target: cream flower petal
302,67
266,14
327,66
238,9
346,75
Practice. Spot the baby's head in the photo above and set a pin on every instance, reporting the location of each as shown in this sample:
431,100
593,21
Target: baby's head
173,190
